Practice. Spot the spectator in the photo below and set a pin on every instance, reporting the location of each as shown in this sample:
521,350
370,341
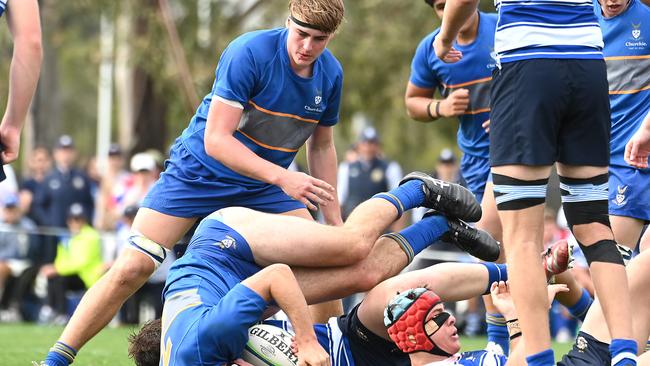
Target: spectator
113,181
77,266
38,166
18,252
368,175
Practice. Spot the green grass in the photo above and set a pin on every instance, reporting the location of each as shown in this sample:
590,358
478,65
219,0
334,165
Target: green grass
22,343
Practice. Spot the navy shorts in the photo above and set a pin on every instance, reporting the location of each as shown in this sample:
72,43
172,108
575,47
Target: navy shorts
188,189
587,351
550,110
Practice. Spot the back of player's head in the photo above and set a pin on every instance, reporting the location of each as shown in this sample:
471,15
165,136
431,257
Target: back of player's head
144,346
406,320
324,15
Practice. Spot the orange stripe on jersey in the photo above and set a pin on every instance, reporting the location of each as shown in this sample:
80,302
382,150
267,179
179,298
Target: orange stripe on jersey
468,83
477,111
617,92
265,145
614,58
281,114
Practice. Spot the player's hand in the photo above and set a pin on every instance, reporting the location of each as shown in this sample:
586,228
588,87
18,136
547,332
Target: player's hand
306,189
310,353
638,149
554,290
500,294
486,126
455,104
445,51
10,139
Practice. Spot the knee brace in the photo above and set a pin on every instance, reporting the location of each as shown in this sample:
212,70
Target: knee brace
585,200
603,251
149,247
516,194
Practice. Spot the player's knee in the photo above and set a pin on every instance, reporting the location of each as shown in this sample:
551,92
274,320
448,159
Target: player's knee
131,271
517,194
605,251
584,200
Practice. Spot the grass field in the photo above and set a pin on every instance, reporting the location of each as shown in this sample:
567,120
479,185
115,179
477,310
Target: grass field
20,344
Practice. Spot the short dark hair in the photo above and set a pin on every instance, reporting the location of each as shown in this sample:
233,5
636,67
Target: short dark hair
144,346
429,2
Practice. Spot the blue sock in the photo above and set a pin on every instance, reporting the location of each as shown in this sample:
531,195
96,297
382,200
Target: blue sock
420,235
623,351
647,346
60,355
496,272
579,309
544,358
497,331
405,197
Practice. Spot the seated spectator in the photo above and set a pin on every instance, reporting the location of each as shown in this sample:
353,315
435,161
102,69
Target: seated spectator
39,165
77,266
17,247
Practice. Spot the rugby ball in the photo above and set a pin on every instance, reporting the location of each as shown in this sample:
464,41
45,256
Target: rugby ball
269,345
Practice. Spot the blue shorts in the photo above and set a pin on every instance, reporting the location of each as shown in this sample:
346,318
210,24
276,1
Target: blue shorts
198,331
476,172
629,192
550,110
188,189
587,351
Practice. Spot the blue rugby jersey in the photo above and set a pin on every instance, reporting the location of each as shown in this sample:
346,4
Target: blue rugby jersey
3,6
472,72
281,109
558,29
627,53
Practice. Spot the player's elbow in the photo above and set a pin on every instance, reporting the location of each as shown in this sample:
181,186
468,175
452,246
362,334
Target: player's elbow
214,144
30,46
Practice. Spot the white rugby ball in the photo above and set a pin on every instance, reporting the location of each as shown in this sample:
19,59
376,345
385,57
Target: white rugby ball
269,345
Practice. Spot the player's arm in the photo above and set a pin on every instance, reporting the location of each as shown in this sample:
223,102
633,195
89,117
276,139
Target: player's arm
422,107
278,283
321,159
457,12
638,148
220,143
25,27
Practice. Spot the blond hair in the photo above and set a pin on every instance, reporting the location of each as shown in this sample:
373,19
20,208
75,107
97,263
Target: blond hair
325,15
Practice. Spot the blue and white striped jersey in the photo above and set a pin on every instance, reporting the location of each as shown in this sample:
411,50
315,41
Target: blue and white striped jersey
532,29
3,6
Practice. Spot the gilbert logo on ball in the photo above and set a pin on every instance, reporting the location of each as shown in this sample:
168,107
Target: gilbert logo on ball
269,345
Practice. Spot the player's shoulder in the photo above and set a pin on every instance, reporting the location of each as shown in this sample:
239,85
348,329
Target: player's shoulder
330,63
260,43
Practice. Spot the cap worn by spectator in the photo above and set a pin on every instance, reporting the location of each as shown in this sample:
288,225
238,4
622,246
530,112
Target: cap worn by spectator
76,211
65,142
369,134
447,156
114,150
142,162
10,201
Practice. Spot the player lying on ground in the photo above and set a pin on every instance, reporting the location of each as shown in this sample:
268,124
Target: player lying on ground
364,339
233,244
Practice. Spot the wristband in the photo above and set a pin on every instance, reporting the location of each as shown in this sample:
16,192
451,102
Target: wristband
513,328
438,110
429,110
515,336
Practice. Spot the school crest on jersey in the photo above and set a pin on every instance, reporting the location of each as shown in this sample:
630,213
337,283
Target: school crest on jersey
581,344
226,243
636,31
620,199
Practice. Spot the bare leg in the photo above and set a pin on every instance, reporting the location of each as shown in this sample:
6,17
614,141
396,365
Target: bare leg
522,239
491,223
609,279
320,313
627,230
645,241
282,239
130,271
